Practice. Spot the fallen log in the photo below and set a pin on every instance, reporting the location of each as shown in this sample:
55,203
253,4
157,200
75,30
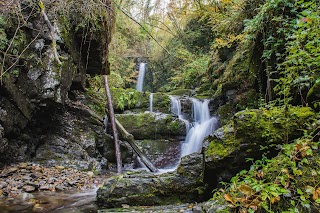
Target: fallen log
130,139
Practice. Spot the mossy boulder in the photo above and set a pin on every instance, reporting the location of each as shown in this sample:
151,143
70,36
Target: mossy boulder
143,188
161,103
248,131
152,125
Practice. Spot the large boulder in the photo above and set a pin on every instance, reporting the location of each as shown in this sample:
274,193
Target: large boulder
152,125
185,184
228,148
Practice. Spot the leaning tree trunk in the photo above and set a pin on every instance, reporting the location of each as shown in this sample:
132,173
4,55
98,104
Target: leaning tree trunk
130,139
113,125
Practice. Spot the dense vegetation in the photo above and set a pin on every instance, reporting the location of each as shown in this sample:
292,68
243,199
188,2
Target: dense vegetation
259,56
266,54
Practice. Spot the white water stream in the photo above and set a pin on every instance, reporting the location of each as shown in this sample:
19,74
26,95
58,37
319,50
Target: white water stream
176,109
203,125
151,102
142,71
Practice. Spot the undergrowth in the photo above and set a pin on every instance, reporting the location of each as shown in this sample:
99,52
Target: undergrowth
286,183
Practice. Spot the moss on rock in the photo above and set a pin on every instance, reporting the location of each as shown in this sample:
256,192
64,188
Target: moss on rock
152,126
248,131
313,97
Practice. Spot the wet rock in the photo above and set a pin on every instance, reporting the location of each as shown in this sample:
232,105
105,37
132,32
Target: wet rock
8,172
49,179
25,196
45,187
183,185
23,165
212,206
60,188
39,87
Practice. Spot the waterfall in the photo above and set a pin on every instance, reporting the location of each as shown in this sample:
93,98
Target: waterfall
203,125
142,70
176,109
151,102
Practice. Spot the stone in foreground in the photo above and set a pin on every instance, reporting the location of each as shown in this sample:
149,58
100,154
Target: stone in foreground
185,184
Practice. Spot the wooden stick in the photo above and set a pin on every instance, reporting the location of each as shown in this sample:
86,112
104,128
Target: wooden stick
113,125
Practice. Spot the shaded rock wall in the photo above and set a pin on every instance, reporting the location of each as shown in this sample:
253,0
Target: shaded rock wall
37,119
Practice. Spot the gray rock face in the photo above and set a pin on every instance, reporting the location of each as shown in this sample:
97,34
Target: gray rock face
34,90
185,184
76,138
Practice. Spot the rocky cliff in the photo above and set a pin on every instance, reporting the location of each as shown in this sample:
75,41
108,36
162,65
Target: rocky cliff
37,115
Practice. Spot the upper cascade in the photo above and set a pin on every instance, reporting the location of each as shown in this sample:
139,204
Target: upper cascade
142,71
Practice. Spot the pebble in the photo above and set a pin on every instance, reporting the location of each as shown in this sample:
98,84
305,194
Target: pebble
3,184
30,177
60,167
28,188
90,174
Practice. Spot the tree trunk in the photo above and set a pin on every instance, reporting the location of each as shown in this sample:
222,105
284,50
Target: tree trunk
113,125
52,31
130,139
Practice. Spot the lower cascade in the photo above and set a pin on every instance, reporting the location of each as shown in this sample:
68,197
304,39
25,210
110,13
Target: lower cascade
203,125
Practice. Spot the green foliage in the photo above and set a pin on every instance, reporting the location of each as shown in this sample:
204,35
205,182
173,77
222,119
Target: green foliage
3,35
286,183
291,46
96,93
125,98
301,67
191,74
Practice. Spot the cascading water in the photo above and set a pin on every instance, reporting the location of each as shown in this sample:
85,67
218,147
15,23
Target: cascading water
142,71
151,102
176,109
203,125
